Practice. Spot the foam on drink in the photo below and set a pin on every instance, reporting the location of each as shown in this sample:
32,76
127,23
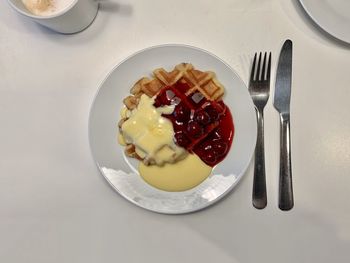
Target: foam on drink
46,7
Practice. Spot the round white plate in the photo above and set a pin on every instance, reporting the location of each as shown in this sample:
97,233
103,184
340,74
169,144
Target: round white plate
333,16
121,172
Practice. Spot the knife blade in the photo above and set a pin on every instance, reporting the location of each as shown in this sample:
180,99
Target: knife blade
282,104
284,78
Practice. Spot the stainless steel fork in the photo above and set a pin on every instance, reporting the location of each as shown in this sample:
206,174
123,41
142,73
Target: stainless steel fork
259,88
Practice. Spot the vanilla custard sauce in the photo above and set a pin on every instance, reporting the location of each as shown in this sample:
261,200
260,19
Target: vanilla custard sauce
180,176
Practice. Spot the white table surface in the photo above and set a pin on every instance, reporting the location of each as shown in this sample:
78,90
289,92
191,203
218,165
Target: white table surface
56,207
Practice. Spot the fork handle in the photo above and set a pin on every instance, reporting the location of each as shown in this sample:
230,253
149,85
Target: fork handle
286,201
259,183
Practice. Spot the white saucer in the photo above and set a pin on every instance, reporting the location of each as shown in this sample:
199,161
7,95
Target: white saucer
333,16
121,172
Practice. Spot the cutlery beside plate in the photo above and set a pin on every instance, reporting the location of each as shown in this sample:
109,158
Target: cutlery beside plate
259,87
282,105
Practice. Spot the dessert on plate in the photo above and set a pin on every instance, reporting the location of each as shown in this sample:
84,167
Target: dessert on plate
177,125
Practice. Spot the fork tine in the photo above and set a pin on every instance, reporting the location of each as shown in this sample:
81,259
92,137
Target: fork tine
258,73
263,74
268,69
253,69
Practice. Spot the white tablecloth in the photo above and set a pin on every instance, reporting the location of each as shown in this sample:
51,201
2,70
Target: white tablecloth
56,207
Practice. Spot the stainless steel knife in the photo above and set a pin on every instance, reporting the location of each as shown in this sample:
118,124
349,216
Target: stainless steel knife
282,105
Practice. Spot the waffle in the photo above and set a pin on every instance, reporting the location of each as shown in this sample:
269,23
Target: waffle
203,84
198,81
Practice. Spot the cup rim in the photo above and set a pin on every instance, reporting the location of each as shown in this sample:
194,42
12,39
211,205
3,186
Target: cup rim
28,14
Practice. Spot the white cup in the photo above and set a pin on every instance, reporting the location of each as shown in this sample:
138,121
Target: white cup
74,18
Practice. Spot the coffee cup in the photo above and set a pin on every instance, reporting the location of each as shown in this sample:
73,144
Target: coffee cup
63,16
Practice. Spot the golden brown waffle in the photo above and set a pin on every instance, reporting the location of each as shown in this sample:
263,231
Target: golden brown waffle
198,81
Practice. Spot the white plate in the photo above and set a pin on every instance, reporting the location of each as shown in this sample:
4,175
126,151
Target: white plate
121,172
333,16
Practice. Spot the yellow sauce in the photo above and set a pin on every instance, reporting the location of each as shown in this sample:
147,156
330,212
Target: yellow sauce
121,139
151,133
180,176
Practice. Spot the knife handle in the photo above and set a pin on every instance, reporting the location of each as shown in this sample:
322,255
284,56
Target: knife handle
286,201
259,183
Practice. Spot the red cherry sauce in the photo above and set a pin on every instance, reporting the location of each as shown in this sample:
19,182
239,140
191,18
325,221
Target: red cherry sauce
201,126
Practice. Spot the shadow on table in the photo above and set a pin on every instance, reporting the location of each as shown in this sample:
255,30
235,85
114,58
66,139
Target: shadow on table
247,235
113,7
317,29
